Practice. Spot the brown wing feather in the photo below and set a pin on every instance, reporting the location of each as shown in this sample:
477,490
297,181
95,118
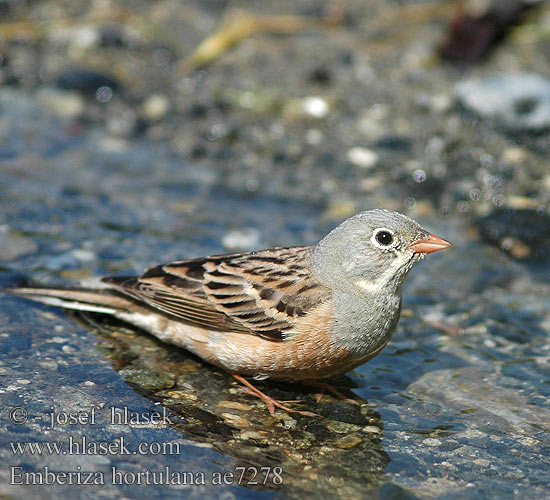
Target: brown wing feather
259,292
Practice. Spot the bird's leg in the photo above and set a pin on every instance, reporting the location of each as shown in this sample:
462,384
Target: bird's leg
330,388
246,390
270,402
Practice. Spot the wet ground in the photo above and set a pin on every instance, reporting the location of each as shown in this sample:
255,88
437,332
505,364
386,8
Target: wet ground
118,152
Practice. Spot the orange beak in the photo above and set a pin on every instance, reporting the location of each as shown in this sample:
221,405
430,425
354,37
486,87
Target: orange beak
429,243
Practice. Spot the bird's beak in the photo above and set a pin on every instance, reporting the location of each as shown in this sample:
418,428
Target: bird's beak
428,243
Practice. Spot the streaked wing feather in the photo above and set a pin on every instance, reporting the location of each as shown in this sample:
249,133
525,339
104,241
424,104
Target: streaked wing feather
259,292
171,300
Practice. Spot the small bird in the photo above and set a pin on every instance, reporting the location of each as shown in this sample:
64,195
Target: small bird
291,314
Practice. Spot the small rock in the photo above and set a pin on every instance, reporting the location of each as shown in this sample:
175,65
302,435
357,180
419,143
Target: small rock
321,75
155,107
519,102
148,379
63,104
314,136
235,420
523,233
48,364
431,442
515,248
86,82
521,202
363,157
514,155
181,395
438,103
13,246
113,36
234,405
83,255
252,435
81,38
188,366
482,462
315,106
348,442
241,239
372,429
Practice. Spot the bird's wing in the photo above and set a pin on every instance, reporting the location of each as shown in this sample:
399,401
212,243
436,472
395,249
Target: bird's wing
261,293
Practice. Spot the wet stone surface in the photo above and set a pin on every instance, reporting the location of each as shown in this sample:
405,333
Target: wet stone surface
116,154
523,234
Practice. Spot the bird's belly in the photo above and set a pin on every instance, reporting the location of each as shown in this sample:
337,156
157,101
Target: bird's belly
310,352
297,358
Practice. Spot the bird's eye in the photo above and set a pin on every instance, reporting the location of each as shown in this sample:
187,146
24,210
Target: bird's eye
384,238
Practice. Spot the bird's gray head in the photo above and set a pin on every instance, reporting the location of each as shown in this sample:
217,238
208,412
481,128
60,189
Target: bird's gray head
372,251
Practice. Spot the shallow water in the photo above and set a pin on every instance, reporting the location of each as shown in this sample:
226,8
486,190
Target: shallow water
462,391
456,406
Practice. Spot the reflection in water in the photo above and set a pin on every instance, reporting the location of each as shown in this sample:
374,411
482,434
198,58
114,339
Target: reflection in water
316,454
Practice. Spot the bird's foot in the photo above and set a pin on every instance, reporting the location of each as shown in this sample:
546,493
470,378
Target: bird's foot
330,388
270,402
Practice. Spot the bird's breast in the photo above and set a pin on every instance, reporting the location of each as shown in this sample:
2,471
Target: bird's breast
365,323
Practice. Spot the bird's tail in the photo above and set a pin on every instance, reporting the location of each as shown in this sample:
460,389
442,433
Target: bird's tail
101,300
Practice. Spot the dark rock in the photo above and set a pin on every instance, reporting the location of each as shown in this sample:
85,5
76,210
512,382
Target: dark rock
393,492
471,37
197,110
321,76
344,412
85,81
112,36
522,234
395,143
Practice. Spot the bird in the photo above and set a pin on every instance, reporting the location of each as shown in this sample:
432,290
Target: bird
291,314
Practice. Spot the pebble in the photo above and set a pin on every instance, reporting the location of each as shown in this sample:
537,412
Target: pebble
83,255
234,405
431,442
348,442
62,104
13,246
245,435
314,136
241,239
155,107
372,429
86,81
235,420
315,106
520,101
181,395
148,379
370,121
48,364
521,233
363,157
79,38
514,155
